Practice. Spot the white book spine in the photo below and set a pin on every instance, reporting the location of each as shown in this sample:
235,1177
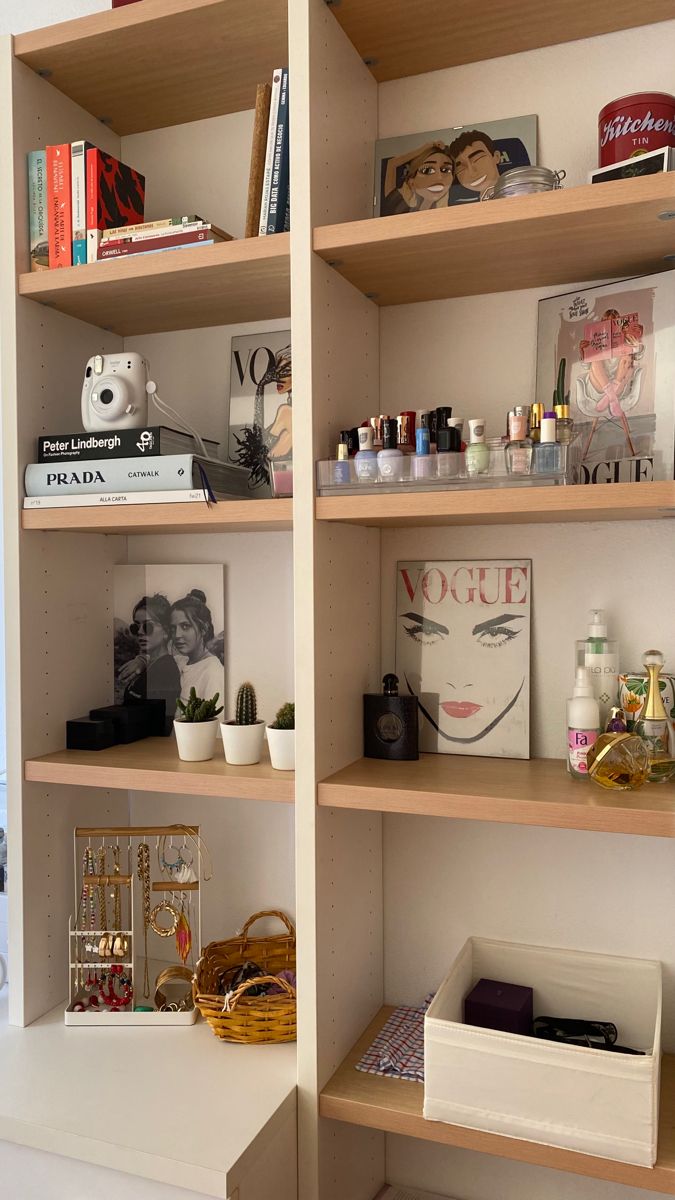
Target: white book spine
160,474
111,499
269,153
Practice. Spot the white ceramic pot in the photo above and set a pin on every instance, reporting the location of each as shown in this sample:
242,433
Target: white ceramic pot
196,739
282,748
242,743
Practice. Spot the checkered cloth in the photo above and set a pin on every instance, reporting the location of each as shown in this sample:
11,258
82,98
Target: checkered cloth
398,1049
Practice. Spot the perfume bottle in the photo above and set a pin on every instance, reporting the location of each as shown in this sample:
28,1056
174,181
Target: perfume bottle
390,723
389,458
519,448
477,456
365,459
653,725
618,761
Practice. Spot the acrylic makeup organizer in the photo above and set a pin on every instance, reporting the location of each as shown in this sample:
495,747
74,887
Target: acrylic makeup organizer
115,849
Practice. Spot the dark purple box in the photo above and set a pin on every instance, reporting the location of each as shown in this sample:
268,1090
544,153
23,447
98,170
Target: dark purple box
495,1005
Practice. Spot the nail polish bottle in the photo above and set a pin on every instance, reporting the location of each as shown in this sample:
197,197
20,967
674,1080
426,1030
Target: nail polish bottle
519,448
390,724
565,424
536,414
365,459
351,437
477,456
390,459
376,426
423,464
443,417
406,432
448,457
341,471
548,454
423,418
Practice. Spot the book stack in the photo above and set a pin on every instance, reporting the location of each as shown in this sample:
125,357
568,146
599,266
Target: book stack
269,198
75,193
170,233
153,465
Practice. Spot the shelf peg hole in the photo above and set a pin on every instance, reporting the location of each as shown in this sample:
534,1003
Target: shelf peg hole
371,62
45,73
668,215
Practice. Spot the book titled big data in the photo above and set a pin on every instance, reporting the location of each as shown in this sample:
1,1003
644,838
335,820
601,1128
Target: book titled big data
115,197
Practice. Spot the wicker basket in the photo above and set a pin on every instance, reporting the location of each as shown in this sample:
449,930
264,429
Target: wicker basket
240,1017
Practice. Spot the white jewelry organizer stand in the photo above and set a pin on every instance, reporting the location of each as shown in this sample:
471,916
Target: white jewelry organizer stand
174,879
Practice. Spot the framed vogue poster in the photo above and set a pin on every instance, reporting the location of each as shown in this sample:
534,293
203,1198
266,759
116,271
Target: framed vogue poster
463,648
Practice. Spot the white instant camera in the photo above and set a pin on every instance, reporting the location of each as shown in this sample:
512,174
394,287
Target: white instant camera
114,392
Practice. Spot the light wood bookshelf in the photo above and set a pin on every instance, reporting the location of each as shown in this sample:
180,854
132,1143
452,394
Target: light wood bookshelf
395,1106
228,516
164,63
504,506
243,280
153,765
412,37
508,791
593,232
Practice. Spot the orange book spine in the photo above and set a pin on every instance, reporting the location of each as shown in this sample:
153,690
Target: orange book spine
59,206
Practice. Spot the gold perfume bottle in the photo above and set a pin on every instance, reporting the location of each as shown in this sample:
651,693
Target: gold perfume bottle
653,725
619,761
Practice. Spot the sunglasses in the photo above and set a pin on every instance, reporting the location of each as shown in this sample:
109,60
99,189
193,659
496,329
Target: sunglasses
137,627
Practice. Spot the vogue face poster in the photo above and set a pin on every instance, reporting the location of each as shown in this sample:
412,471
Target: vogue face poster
463,648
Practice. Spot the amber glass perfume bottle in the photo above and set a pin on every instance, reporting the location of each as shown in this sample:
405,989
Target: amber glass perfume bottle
653,725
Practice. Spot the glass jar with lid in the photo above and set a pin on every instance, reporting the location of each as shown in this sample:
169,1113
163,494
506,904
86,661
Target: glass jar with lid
497,451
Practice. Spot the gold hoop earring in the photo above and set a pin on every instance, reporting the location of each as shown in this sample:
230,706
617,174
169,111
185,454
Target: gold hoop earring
164,930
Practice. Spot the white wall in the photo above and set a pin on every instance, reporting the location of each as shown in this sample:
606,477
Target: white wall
33,14
592,891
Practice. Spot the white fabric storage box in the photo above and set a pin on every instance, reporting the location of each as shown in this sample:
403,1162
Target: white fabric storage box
581,1099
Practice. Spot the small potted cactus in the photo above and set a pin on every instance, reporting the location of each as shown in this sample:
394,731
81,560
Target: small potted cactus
243,737
281,738
196,727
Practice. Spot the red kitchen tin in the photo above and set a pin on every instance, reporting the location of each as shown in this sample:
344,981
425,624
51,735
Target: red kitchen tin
635,125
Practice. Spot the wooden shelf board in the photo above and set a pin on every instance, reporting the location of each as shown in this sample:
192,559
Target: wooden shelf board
153,765
395,1106
243,280
504,506
591,232
228,516
509,791
162,62
410,37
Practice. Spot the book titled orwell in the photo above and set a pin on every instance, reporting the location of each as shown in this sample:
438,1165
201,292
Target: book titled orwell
112,475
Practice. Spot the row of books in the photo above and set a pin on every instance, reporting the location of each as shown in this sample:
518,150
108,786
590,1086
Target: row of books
269,196
75,193
154,465
170,233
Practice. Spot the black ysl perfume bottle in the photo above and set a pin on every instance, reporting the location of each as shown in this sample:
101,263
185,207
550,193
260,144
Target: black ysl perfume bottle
390,723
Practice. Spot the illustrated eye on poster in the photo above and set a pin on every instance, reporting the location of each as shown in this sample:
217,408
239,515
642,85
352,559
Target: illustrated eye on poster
261,400
463,648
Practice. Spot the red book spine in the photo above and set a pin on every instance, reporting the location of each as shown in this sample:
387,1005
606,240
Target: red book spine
120,249
59,206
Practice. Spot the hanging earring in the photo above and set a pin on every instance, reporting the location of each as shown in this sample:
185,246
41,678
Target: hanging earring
183,934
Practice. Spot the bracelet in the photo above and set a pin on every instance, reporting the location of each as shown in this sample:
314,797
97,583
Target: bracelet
164,930
173,975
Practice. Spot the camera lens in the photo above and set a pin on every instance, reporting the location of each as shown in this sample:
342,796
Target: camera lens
106,396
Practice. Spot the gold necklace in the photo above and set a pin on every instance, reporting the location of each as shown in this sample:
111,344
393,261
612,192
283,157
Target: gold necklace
144,876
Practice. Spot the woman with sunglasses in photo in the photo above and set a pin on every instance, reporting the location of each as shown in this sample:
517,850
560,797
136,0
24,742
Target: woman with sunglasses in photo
153,674
191,634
